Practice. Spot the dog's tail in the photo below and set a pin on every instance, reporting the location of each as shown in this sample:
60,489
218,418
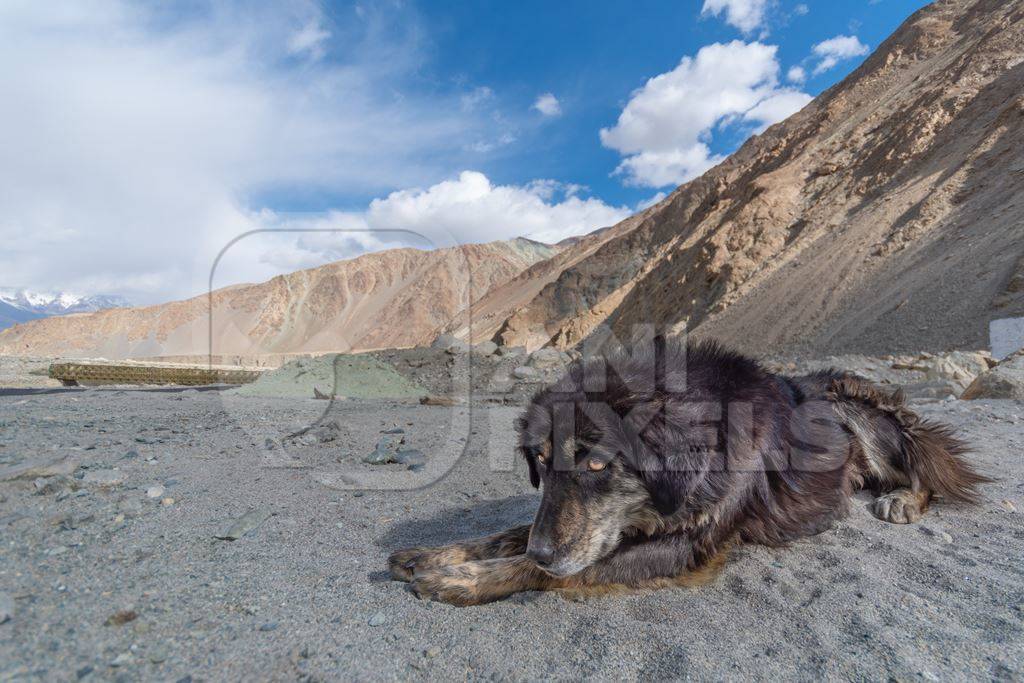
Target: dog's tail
900,447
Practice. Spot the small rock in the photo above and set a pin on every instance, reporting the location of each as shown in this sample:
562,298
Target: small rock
511,351
167,502
122,659
447,342
269,626
1008,506
244,525
269,444
155,491
548,357
432,651
487,348
377,619
379,457
103,478
394,430
525,372
83,672
945,537
446,401
121,618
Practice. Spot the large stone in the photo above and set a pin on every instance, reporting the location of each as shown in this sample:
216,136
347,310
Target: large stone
486,348
1005,380
959,367
447,342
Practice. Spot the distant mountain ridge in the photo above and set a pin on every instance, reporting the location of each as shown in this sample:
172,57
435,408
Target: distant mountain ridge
393,298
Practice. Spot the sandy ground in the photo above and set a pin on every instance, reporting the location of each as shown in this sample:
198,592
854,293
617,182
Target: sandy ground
304,594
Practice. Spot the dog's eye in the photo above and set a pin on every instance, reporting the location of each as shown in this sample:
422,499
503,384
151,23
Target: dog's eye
542,457
596,465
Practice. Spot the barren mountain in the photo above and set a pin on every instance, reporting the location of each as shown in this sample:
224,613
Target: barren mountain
886,215
392,298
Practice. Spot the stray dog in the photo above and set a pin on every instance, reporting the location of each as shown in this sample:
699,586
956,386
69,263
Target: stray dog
655,462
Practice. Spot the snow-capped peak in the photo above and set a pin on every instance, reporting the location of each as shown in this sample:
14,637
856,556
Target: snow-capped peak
57,303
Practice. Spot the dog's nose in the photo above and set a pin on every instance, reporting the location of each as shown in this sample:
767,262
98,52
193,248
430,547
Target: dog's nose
541,552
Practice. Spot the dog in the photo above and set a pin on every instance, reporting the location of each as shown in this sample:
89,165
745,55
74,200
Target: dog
654,462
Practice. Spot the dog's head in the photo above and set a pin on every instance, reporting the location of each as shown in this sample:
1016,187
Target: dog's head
600,459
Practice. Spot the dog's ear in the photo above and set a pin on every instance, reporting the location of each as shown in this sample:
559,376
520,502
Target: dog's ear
534,474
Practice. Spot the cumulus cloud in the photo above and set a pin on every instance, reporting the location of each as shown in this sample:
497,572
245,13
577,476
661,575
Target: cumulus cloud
796,74
746,15
548,105
138,141
665,129
834,50
472,209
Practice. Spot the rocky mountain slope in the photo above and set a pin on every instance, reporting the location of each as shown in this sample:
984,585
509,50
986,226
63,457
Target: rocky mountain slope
887,215
393,298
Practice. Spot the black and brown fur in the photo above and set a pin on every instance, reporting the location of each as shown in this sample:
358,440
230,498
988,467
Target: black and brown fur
654,463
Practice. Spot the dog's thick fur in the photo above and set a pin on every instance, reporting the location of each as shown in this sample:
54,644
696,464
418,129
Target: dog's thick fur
654,463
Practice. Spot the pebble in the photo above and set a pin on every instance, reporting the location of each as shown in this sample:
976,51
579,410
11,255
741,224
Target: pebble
377,619
167,502
83,672
432,651
269,626
121,617
122,659
104,478
245,524
155,491
1008,506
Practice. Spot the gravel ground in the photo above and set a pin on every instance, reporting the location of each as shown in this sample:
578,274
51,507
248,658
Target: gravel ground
112,570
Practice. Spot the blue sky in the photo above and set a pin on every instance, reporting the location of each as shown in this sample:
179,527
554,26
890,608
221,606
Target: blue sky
141,139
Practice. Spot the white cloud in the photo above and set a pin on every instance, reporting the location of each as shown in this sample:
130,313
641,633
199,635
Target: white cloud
746,15
666,126
472,209
801,9
548,105
796,74
832,51
137,142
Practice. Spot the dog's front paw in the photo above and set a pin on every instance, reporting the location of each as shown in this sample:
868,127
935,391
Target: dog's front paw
456,585
402,563
901,506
